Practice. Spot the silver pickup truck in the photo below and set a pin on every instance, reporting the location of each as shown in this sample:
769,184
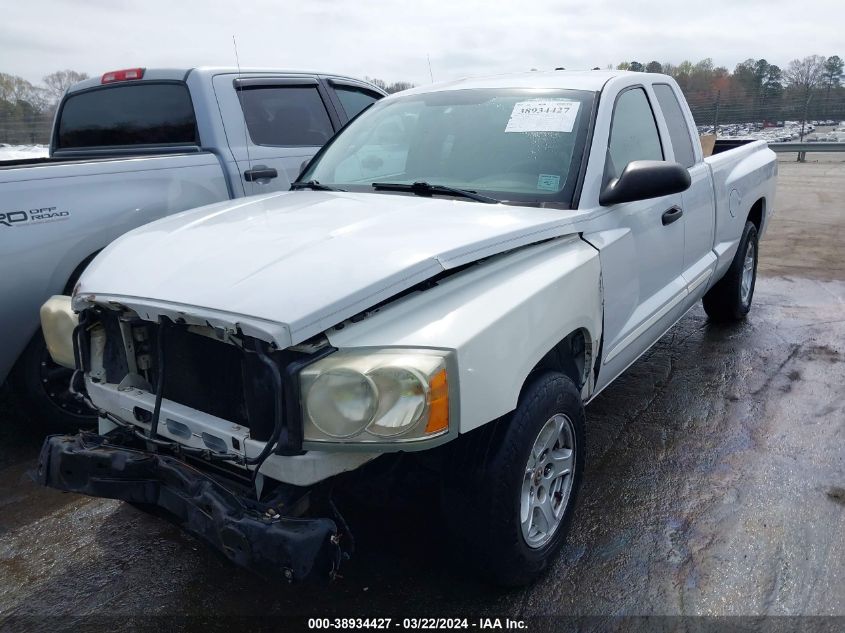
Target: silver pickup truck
133,146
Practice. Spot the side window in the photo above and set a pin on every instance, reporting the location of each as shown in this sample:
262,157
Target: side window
354,99
677,124
286,115
633,133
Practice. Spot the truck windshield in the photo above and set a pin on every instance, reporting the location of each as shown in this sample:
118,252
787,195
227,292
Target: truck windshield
515,145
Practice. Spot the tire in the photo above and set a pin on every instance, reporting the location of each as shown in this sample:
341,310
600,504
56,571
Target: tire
493,478
44,390
730,298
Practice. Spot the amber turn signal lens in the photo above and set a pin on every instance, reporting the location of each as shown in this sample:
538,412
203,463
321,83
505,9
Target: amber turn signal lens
438,409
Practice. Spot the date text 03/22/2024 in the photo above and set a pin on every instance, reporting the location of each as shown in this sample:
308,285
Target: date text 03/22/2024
416,623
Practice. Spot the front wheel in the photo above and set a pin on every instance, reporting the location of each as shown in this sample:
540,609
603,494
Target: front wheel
510,490
44,388
730,298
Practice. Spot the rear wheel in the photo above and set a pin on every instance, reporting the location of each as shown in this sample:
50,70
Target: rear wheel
511,489
44,388
730,298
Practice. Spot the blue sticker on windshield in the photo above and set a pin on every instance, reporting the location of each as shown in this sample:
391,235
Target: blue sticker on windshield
548,182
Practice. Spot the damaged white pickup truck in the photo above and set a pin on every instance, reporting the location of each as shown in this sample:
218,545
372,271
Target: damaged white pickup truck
459,271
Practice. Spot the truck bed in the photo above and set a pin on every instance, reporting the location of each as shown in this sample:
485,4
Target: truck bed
742,173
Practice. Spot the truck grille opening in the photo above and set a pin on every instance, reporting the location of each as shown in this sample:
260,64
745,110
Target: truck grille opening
205,374
218,378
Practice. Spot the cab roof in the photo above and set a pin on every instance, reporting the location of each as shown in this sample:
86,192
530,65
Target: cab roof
593,80
181,74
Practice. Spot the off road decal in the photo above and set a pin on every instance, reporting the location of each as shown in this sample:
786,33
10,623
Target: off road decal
33,216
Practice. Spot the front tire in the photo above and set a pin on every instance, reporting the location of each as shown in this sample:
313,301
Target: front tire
44,388
511,489
730,298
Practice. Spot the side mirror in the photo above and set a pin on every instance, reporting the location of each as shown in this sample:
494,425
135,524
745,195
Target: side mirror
643,179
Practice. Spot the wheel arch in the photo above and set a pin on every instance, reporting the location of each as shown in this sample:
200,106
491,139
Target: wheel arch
66,288
757,213
573,356
77,272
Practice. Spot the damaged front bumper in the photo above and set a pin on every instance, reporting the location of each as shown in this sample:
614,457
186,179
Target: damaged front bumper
250,534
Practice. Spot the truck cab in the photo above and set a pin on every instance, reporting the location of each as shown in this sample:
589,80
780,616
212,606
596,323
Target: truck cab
252,119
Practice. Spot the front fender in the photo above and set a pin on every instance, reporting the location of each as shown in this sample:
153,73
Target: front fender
500,316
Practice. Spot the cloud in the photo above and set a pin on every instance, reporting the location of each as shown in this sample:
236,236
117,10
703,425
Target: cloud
394,39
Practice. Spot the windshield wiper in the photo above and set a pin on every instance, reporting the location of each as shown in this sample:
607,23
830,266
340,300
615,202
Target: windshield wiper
427,189
312,184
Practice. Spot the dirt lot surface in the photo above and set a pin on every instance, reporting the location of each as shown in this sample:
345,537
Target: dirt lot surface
807,237
715,485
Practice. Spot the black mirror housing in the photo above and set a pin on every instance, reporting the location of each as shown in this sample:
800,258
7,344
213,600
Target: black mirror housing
644,179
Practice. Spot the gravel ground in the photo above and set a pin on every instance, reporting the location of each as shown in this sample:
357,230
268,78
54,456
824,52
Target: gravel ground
715,485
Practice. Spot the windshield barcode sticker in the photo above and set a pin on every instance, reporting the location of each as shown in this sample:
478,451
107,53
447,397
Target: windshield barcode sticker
543,115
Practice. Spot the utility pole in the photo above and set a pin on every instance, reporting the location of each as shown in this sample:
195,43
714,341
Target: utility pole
716,114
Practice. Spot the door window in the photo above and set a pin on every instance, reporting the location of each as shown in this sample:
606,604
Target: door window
677,124
286,115
354,99
633,133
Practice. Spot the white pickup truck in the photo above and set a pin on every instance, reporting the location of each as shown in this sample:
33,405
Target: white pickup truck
475,261
133,146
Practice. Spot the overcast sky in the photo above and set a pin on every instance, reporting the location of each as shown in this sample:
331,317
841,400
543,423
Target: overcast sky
391,40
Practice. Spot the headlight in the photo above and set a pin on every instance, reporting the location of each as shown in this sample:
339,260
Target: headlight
58,321
391,395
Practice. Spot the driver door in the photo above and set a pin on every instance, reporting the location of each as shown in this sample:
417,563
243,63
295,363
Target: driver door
642,269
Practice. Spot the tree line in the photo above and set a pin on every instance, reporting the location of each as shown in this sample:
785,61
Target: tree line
811,88
26,109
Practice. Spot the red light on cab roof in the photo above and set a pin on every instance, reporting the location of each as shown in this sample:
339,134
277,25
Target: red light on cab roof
128,74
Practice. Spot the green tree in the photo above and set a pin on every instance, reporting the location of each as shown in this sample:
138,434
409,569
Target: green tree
834,68
654,67
832,73
701,76
637,67
682,73
26,110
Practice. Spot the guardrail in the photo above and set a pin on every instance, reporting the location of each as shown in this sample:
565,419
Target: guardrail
803,148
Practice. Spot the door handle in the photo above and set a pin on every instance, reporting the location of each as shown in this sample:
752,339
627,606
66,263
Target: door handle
671,215
260,173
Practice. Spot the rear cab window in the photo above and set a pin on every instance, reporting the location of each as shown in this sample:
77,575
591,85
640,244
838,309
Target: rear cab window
286,115
127,116
679,131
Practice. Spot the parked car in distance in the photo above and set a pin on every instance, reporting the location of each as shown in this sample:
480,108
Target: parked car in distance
134,146
468,265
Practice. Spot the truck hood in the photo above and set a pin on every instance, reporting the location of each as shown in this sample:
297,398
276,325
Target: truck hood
304,261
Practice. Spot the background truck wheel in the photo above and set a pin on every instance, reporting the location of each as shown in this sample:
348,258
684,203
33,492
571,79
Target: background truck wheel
730,298
510,490
43,388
